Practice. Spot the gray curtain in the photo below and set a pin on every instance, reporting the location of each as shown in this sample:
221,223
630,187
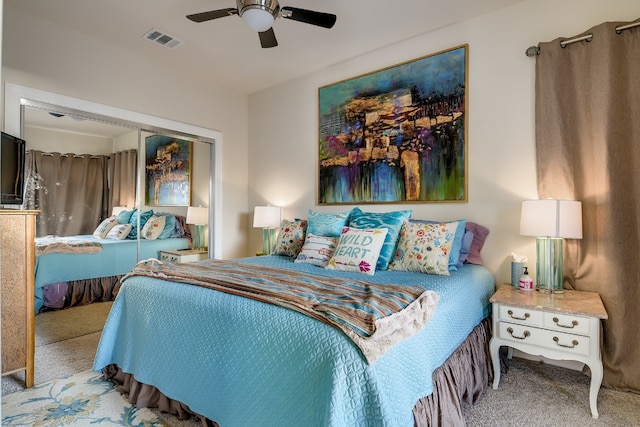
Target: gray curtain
588,148
122,178
68,189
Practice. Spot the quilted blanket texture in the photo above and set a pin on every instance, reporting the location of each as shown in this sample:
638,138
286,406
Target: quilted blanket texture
374,316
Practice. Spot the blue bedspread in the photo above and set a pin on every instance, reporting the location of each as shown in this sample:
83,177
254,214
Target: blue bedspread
242,362
116,258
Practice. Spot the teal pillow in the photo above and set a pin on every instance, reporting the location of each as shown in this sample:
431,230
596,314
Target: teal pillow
392,221
144,217
125,216
169,226
454,257
328,224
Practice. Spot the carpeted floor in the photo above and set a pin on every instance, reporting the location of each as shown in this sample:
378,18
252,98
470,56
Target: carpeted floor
530,394
538,394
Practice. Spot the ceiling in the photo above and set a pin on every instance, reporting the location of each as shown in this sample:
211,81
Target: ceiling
228,53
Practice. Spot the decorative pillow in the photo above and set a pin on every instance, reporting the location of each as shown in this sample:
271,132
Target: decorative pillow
454,258
169,226
105,226
328,224
317,250
467,239
479,235
392,221
424,248
125,216
290,238
153,227
358,250
119,232
144,217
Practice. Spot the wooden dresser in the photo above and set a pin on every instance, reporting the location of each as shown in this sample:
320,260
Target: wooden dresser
17,280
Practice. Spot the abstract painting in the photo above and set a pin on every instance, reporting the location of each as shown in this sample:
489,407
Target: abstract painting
396,135
167,171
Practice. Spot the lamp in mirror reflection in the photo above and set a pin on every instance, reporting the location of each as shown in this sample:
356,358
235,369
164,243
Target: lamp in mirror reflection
199,218
268,218
550,221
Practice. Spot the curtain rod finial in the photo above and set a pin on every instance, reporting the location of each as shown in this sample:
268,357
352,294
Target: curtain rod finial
532,51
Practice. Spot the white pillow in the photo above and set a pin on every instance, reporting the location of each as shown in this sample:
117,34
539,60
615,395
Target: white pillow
153,227
119,232
358,250
105,226
317,250
424,248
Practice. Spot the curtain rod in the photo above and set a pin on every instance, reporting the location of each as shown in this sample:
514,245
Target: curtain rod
535,50
77,156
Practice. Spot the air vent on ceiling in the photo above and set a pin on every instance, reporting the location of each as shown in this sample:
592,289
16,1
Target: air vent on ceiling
162,38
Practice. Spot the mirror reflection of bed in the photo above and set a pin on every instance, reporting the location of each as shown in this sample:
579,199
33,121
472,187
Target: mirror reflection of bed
26,115
84,172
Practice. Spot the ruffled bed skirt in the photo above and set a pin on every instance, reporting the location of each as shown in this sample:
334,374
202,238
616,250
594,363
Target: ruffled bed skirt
463,378
80,292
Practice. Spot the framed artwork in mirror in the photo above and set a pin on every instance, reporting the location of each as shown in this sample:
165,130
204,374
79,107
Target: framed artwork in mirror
168,163
396,135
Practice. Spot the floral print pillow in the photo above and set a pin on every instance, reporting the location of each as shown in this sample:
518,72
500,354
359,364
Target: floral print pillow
424,248
290,238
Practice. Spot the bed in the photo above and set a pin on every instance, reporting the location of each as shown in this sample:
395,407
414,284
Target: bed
77,270
67,279
191,348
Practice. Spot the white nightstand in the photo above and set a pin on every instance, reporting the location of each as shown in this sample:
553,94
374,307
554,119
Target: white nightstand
558,326
186,255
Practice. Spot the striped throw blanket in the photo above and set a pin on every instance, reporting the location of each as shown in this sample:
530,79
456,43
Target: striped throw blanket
373,316
66,245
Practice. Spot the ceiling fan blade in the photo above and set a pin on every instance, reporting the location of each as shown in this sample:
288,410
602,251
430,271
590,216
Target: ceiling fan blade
268,38
212,14
321,19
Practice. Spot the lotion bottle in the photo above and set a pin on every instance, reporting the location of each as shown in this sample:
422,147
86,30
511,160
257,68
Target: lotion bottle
526,284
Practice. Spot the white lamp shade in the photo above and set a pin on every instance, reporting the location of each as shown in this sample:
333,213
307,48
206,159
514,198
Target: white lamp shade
551,218
258,19
197,215
267,216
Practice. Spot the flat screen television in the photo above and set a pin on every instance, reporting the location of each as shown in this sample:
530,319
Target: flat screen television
12,152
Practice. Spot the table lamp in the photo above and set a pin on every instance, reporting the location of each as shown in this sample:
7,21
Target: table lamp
199,218
267,218
550,221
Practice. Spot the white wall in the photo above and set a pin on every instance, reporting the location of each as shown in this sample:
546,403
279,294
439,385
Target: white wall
41,55
284,120
49,140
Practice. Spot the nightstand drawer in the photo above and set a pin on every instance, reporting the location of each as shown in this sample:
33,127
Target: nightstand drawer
164,256
559,341
524,316
567,323
185,255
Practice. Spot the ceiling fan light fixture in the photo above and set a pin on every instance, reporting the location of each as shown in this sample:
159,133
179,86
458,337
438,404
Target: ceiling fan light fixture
258,20
259,15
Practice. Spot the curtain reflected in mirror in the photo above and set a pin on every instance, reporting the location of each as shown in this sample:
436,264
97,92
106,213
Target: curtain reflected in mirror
76,192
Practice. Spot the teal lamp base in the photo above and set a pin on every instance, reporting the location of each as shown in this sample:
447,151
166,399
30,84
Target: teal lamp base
268,240
549,265
198,237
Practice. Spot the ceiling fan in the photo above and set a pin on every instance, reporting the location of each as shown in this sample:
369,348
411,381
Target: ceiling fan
260,15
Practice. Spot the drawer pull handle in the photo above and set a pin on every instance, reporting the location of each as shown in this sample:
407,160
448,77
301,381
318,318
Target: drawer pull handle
571,326
524,335
574,342
526,316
